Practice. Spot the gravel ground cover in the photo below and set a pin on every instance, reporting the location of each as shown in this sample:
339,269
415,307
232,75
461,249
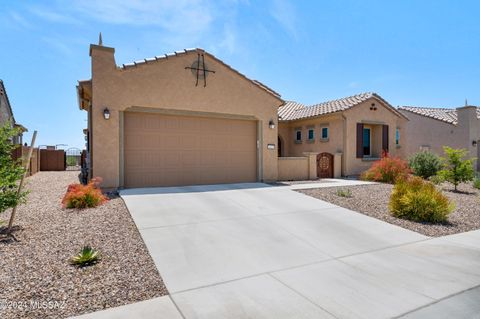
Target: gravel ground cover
36,267
372,200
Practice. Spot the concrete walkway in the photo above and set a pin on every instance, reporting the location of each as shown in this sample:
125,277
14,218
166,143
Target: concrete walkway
257,251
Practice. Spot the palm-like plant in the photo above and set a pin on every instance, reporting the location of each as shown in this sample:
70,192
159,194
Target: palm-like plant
87,257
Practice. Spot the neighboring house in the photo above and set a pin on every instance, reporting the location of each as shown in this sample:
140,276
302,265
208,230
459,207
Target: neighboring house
6,114
179,119
358,128
430,129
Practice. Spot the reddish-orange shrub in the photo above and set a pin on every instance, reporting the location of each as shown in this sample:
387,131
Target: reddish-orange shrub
387,170
83,196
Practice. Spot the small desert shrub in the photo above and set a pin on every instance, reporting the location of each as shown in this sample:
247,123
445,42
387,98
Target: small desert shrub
84,196
456,169
387,170
420,201
425,164
476,183
86,257
343,192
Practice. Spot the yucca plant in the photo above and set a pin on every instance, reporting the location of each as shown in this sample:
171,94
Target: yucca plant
87,257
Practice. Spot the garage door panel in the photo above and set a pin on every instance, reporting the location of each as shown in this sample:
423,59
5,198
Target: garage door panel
166,150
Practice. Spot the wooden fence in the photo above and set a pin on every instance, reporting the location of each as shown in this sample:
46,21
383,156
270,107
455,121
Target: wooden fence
21,152
52,160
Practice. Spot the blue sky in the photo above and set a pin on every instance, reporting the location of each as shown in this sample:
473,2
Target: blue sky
411,52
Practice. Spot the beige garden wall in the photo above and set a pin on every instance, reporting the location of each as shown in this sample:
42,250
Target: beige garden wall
293,168
165,85
298,168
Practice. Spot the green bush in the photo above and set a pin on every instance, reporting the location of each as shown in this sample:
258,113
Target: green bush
10,171
418,200
425,164
457,170
435,179
476,183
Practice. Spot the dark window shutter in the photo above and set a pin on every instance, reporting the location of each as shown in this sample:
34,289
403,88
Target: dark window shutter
385,138
359,140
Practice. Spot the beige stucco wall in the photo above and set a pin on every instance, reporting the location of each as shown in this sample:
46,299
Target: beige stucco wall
381,116
293,168
424,131
165,85
333,145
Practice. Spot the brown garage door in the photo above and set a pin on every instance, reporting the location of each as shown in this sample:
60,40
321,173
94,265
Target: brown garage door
167,150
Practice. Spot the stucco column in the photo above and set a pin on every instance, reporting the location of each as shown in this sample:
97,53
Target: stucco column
312,164
337,165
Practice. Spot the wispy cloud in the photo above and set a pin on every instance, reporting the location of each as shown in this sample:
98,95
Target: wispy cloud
175,15
59,45
19,20
353,85
174,23
229,39
285,14
52,16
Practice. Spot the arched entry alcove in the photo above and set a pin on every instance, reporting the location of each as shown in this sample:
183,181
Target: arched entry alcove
280,147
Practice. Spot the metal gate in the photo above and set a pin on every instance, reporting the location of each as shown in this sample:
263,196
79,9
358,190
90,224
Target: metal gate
73,157
325,165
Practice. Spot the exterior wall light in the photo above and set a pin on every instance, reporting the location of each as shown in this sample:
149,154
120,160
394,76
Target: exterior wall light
106,113
271,124
474,143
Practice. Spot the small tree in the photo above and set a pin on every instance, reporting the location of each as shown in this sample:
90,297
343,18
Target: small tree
11,171
456,169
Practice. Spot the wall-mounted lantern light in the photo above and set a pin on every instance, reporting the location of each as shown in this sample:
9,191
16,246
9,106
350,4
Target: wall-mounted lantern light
106,113
271,124
474,143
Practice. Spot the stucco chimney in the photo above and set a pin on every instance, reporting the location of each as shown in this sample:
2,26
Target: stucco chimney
103,58
467,126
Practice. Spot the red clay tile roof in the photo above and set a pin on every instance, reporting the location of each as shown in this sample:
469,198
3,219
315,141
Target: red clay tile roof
441,114
201,51
287,110
295,111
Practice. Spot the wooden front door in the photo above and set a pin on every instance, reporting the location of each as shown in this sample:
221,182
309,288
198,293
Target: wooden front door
325,165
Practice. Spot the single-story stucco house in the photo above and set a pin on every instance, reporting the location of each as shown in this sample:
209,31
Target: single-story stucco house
430,129
6,115
188,118
355,129
179,119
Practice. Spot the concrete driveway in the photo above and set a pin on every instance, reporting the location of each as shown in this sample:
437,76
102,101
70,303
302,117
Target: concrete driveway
257,251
